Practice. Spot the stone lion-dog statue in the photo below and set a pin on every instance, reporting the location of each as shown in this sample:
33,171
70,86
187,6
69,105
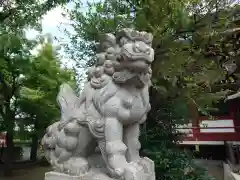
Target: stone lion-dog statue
97,136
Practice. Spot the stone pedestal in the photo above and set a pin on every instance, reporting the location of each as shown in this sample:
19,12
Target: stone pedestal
60,176
143,170
89,176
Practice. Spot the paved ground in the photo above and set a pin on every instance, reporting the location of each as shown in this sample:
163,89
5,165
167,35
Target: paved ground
36,173
217,172
26,153
214,167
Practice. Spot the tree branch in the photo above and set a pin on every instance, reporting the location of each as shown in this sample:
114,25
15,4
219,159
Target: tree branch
5,15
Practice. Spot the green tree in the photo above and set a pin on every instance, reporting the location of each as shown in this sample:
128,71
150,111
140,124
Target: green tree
102,17
15,55
39,91
15,14
14,61
186,71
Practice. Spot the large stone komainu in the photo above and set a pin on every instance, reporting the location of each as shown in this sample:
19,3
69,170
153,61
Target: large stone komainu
98,134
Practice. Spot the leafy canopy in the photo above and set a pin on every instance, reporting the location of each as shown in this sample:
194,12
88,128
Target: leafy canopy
41,86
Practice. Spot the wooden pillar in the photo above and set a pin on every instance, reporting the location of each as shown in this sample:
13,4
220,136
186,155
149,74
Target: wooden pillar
194,115
230,153
235,112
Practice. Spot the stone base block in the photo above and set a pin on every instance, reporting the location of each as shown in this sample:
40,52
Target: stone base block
60,176
92,175
142,170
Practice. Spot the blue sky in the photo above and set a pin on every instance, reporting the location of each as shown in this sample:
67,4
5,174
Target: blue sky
53,23
54,19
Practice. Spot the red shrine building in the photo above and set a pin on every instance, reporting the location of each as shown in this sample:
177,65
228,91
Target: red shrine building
224,127
3,142
217,138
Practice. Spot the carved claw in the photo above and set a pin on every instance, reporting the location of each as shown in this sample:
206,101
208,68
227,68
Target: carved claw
117,173
51,146
52,162
61,167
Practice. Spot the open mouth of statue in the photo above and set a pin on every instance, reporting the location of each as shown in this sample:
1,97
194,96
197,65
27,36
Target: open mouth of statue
134,66
138,81
137,67
136,56
130,77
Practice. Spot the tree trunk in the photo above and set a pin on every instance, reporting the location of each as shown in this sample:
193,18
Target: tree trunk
8,154
194,114
34,145
34,148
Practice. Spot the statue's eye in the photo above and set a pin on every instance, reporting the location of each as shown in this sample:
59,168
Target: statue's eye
119,58
148,52
136,48
123,41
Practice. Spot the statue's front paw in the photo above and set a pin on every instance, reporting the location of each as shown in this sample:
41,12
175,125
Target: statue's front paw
50,146
117,173
61,168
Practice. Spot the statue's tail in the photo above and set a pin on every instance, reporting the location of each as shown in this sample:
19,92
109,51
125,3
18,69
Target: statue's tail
67,101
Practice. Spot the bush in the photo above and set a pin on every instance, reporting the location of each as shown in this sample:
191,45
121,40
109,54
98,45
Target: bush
159,142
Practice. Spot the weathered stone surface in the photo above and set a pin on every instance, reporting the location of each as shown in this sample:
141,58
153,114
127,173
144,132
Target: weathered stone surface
143,170
60,176
98,134
91,175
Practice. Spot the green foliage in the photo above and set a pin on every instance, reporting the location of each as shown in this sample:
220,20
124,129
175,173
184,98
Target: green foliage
17,64
40,86
14,61
159,142
183,31
101,17
29,83
15,50
15,14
